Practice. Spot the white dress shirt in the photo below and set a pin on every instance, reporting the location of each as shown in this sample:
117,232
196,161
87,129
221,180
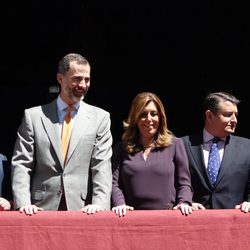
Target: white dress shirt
207,143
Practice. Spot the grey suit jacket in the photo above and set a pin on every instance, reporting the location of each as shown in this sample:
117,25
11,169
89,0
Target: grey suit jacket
38,174
233,183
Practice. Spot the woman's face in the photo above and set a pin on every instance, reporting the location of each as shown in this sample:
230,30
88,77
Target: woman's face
148,121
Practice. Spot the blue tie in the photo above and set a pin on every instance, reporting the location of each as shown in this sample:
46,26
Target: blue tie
213,161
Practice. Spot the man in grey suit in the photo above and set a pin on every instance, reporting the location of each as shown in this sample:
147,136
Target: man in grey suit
41,179
232,187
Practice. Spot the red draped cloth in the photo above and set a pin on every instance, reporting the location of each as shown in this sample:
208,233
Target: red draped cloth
145,230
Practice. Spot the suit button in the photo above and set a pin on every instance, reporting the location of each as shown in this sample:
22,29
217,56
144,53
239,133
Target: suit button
59,192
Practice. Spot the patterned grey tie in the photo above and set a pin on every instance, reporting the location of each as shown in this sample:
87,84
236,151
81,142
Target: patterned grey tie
213,161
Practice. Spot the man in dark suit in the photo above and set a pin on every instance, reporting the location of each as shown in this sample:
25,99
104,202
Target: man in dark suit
5,184
232,187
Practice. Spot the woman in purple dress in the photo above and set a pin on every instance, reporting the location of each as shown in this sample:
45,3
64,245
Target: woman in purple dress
150,165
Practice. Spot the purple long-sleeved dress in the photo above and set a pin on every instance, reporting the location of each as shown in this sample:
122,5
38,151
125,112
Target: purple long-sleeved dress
160,182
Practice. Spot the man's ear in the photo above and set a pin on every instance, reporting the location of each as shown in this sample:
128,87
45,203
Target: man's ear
59,78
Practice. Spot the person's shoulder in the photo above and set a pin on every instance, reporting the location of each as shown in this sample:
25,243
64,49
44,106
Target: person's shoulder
40,107
177,141
193,139
94,108
32,111
33,108
3,157
240,139
184,137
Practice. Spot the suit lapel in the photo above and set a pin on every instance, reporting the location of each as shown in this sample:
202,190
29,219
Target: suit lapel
80,125
51,126
229,154
196,143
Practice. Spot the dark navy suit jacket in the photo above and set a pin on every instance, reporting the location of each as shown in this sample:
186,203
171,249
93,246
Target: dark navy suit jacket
233,183
5,177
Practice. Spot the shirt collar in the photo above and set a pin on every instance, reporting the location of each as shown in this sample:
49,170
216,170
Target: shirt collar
207,137
61,105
